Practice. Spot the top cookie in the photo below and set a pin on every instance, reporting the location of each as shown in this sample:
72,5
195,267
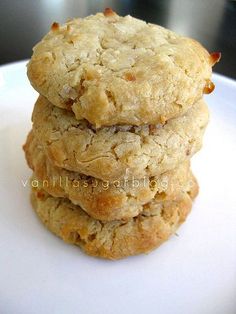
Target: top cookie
120,70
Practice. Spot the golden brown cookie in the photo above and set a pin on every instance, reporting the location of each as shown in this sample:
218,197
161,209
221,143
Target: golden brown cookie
112,153
120,70
115,239
102,199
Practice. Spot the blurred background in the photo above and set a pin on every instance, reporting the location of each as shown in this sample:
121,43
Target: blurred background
212,22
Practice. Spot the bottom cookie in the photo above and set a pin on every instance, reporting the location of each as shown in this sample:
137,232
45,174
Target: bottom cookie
115,239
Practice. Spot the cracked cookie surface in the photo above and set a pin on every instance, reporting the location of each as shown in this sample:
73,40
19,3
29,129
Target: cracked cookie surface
105,200
118,152
120,70
115,239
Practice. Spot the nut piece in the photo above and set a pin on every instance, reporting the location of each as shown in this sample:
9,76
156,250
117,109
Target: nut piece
109,12
129,77
55,26
215,57
209,87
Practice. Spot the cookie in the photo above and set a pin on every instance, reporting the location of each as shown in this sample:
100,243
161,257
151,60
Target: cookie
112,153
120,70
115,239
104,200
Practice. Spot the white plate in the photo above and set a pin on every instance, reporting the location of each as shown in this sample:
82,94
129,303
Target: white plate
192,273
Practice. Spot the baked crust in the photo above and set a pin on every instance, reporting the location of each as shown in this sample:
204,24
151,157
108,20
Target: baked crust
120,70
114,153
115,239
105,200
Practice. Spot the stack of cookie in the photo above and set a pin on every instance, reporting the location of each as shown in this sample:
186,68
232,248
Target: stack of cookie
120,114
